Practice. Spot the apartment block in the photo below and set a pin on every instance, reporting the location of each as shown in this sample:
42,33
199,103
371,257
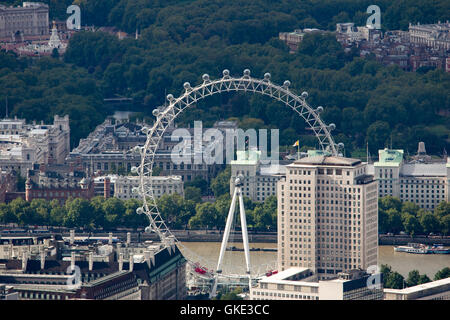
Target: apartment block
327,215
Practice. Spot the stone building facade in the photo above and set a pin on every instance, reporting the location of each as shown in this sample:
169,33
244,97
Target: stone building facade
431,35
259,181
22,145
424,183
109,148
31,19
327,216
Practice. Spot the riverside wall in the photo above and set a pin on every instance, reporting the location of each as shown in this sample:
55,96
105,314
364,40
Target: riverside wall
216,236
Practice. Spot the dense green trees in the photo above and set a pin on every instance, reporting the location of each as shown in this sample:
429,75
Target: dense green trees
429,222
220,185
264,215
199,183
175,210
395,216
415,278
394,280
391,279
75,213
193,193
181,19
365,100
442,274
179,213
180,40
111,213
39,89
113,209
206,216
78,213
259,216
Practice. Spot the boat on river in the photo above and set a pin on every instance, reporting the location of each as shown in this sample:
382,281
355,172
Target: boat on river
439,249
419,248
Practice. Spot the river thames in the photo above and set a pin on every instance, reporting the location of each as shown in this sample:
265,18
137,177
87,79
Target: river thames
261,261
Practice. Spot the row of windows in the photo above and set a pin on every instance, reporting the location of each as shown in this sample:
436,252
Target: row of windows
413,182
267,189
301,172
433,197
422,187
41,296
330,254
364,293
128,189
116,288
56,194
283,295
168,166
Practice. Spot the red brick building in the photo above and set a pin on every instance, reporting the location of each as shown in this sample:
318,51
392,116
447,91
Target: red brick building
58,182
62,194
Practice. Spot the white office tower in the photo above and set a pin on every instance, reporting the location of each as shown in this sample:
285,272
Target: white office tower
327,215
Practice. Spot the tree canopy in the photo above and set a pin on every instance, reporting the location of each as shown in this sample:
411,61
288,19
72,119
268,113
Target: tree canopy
395,216
180,40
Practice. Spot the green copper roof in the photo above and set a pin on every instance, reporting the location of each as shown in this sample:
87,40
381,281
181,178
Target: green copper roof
317,153
248,157
389,158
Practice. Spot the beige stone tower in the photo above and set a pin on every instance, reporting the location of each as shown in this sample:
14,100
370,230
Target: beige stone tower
327,215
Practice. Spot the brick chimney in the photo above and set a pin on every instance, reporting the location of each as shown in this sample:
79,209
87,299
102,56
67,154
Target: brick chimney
131,263
72,260
107,188
120,261
149,257
110,241
72,236
91,261
28,187
128,238
170,244
42,254
24,260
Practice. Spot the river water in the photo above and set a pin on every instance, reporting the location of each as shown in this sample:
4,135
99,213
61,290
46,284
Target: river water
234,261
